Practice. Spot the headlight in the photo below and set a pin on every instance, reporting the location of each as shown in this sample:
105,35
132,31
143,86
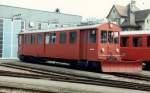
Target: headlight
117,50
102,50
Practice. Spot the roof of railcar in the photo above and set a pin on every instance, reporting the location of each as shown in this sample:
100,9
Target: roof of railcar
140,32
63,29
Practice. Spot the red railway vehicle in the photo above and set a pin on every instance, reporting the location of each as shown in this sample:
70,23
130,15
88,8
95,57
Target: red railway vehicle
92,45
135,45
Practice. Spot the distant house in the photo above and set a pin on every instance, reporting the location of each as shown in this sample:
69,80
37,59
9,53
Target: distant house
143,19
130,17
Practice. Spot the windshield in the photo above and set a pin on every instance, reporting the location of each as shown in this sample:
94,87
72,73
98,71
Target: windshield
109,37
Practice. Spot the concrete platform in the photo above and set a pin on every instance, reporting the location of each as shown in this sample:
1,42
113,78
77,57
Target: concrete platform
146,73
60,87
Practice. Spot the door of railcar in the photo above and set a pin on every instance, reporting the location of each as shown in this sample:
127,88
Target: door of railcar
113,45
88,44
20,45
40,45
109,45
83,44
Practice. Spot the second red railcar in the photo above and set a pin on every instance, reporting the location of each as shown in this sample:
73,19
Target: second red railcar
135,45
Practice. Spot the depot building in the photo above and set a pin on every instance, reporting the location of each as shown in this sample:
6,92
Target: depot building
16,19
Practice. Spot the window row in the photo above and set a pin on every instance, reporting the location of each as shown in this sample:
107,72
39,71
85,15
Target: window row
50,38
136,41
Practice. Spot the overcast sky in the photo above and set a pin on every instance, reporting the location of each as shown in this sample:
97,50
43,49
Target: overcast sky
84,8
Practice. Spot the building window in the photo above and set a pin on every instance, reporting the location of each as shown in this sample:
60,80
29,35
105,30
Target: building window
124,41
73,37
137,41
92,36
32,39
39,39
53,38
22,25
39,26
148,41
116,37
47,38
62,37
103,36
110,37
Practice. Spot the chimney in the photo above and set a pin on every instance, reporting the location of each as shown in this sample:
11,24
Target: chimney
132,9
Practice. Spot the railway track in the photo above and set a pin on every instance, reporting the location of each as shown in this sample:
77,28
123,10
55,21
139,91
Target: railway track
132,76
4,89
41,74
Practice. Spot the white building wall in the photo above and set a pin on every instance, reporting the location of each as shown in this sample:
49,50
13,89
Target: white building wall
10,40
7,30
147,23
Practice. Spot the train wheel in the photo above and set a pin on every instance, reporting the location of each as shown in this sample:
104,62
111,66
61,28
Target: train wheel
147,66
94,66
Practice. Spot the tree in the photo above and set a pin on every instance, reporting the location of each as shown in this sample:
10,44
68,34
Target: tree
57,10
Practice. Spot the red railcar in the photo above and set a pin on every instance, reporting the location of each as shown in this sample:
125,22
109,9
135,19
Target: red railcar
135,45
94,44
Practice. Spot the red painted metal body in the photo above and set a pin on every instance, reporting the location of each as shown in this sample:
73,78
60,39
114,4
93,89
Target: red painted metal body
132,53
82,49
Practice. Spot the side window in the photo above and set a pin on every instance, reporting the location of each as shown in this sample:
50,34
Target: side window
20,39
137,41
103,36
148,41
47,39
124,41
32,39
110,36
73,37
27,39
39,39
53,38
92,36
62,37
116,37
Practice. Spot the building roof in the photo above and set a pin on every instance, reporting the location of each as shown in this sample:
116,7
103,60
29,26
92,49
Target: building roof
141,15
36,10
124,33
122,10
29,15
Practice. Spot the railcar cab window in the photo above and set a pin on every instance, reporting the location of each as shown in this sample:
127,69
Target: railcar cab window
137,41
92,36
39,39
148,41
32,39
53,38
103,36
62,37
73,37
110,36
116,37
124,41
